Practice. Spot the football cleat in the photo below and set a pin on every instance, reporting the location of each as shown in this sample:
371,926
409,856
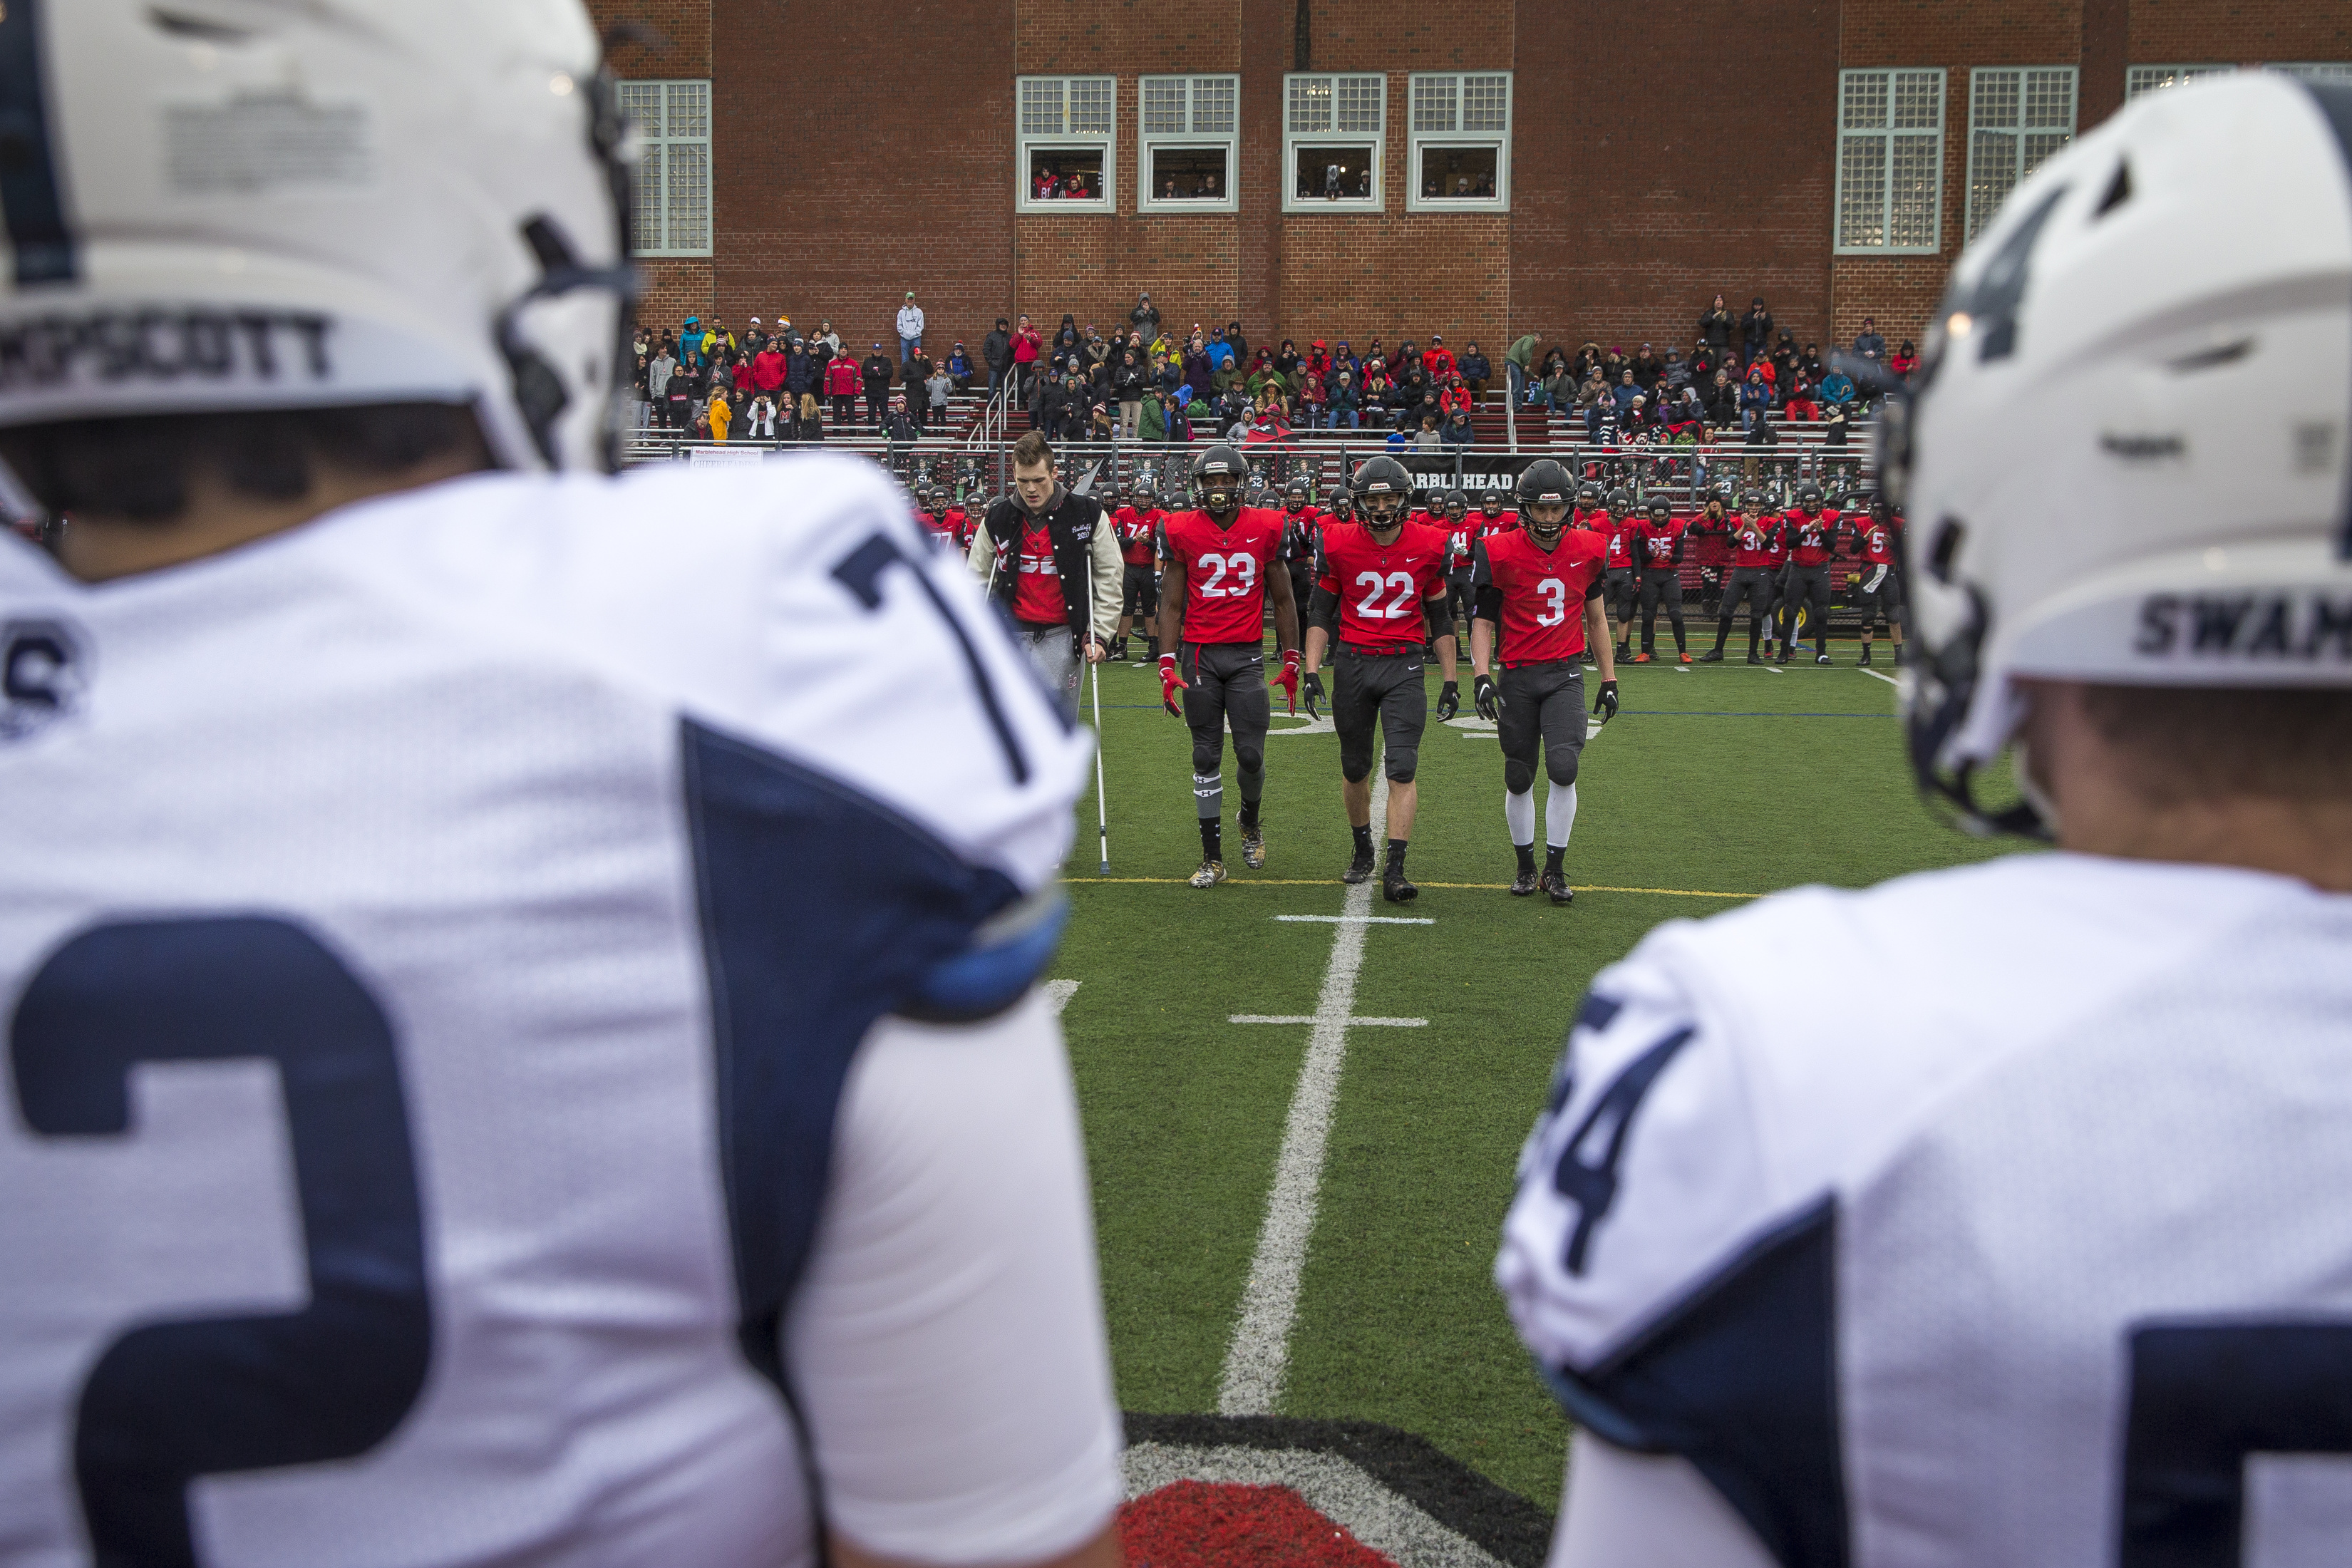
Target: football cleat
1556,884
1641,658
1360,869
1396,890
1755,659
1781,658
1820,659
1864,662
1683,658
1253,848
1712,656
1211,873
1524,883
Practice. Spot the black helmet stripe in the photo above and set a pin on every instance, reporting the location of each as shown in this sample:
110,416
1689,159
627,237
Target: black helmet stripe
2335,101
32,199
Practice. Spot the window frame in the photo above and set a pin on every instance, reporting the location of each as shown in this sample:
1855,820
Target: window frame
1148,142
1886,134
656,142
1972,221
2179,73
1375,140
2338,72
1105,141
1418,140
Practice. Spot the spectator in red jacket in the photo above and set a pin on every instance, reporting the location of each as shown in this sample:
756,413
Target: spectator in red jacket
768,371
841,383
1026,346
1437,360
1454,397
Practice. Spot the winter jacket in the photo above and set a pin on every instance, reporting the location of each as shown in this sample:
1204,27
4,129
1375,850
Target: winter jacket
841,378
767,370
997,350
876,373
1715,328
1086,555
1474,367
1026,345
800,371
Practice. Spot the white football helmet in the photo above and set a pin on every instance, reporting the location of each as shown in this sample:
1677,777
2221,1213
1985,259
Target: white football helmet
2123,456
224,204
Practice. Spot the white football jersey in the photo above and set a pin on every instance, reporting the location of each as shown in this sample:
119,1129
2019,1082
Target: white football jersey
1987,1218
517,1047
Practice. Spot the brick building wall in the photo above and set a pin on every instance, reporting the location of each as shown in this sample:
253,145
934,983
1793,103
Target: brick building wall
1660,154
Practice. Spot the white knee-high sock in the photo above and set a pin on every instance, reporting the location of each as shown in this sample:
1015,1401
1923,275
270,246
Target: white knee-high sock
1519,816
1560,814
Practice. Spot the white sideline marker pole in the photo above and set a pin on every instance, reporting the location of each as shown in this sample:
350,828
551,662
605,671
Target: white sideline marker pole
1251,1383
1102,809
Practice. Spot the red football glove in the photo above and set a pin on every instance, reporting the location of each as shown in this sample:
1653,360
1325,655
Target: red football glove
1170,683
1289,679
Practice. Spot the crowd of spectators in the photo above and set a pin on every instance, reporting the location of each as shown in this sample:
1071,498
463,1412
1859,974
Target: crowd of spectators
1145,380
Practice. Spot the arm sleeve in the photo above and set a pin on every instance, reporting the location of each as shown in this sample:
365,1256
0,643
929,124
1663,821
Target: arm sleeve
948,1338
1109,572
1325,610
1433,613
1489,604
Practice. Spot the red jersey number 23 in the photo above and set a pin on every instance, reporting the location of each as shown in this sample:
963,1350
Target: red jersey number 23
1242,563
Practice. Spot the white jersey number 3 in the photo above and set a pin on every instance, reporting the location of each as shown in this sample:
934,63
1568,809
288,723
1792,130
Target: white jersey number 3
1555,593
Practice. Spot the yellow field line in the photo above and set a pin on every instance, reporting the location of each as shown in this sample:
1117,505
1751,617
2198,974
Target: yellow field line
1325,882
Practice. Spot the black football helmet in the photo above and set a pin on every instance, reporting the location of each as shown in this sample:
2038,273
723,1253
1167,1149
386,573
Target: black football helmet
1661,508
1491,503
1620,503
1295,494
1587,499
1385,490
1457,506
1343,504
1753,500
1810,498
1545,484
1218,476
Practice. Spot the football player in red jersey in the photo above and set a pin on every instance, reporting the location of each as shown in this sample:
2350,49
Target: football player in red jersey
1872,535
955,521
1811,539
1776,578
1614,523
1381,583
1658,545
1224,560
1302,535
1752,579
1137,527
1710,537
1539,596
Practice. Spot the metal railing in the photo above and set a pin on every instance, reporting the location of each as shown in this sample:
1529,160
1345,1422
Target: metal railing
969,469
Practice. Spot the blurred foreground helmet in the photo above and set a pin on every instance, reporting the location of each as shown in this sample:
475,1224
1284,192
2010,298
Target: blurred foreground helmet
2124,460
231,205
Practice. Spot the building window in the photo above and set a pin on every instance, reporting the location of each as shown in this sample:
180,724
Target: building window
1188,136
2017,118
2337,71
1068,139
1461,146
2148,79
672,193
1332,143
1890,179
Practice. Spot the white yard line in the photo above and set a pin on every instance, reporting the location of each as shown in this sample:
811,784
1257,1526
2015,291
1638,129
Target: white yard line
1260,1352
1875,676
1308,1018
1059,993
1356,919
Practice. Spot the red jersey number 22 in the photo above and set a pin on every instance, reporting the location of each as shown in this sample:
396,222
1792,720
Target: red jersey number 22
1372,608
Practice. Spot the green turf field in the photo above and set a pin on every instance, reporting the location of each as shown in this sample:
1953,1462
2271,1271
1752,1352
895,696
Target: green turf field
1714,784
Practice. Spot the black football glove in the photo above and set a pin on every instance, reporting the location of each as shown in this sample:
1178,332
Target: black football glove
1449,700
1489,700
1608,698
1310,689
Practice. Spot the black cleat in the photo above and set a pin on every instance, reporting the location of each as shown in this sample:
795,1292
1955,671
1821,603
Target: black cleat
1524,883
1360,869
1556,884
1254,848
1864,662
1712,656
1755,659
1782,658
1822,658
1396,890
